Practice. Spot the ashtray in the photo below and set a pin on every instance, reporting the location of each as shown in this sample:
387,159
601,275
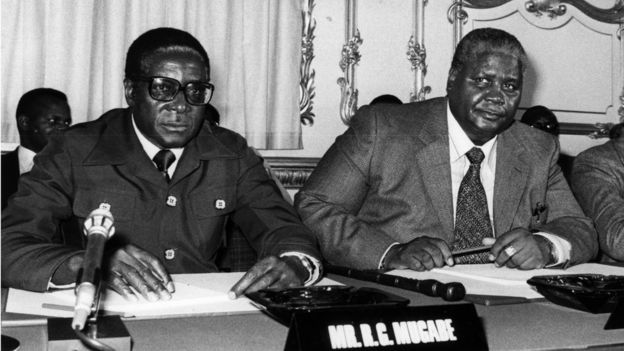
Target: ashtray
595,293
282,304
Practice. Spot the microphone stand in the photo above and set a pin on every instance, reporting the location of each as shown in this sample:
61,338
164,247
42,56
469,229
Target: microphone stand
90,335
86,328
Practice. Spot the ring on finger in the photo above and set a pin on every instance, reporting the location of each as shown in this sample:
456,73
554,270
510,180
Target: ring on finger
510,251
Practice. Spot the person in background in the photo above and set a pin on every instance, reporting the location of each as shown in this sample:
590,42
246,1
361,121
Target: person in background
406,185
171,181
40,112
386,99
541,117
616,131
598,184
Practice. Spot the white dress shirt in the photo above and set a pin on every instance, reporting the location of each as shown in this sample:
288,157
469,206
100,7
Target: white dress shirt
25,158
459,145
152,150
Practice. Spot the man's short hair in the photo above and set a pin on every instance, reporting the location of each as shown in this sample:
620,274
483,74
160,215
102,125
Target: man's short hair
541,117
31,102
487,40
161,40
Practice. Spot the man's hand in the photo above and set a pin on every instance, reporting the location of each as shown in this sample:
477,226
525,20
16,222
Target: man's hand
130,266
273,273
421,254
520,249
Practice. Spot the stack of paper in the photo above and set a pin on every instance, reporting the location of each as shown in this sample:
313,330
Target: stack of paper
193,295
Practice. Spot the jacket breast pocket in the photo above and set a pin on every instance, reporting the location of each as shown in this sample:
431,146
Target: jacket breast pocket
213,202
121,204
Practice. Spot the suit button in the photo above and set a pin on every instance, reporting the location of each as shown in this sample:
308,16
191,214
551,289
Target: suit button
169,254
172,201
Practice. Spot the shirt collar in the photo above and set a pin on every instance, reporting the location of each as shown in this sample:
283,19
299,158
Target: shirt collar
25,158
460,143
149,147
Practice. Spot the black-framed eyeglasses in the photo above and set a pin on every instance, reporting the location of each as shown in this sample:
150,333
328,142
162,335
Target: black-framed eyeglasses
166,89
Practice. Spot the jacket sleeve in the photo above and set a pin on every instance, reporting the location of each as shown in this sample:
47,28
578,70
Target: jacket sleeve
598,183
32,246
333,195
566,218
268,221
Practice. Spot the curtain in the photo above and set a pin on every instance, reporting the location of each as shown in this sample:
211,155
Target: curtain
79,47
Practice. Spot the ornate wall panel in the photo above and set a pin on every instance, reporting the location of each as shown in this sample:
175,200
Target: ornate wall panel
417,54
306,87
350,56
292,172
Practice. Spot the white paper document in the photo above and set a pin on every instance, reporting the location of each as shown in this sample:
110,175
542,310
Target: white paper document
487,279
196,294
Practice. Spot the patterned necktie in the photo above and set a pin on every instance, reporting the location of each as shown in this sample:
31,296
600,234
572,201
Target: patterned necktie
164,159
472,220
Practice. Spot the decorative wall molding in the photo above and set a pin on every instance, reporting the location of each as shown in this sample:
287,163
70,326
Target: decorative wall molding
306,87
292,172
350,56
554,8
458,17
416,52
621,108
594,131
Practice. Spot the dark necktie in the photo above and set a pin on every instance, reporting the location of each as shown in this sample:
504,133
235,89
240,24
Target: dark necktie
164,159
472,220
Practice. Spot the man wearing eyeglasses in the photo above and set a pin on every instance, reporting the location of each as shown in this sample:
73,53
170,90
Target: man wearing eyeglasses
171,181
40,112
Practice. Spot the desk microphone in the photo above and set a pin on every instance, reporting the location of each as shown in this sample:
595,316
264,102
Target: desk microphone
453,291
98,227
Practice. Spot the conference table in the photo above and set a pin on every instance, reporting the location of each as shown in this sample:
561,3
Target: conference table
537,325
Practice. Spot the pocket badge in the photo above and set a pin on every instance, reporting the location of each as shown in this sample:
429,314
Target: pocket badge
220,204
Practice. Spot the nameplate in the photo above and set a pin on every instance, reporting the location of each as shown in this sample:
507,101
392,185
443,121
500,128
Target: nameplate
443,327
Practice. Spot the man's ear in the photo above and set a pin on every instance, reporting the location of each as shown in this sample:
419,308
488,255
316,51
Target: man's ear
450,82
129,91
23,123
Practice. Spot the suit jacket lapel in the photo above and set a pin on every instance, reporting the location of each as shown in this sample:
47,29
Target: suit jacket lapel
204,147
512,172
119,146
619,148
433,162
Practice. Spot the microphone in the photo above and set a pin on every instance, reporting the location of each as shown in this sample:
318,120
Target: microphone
98,227
453,291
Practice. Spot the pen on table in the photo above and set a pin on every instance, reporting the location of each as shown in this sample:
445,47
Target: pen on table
471,250
53,306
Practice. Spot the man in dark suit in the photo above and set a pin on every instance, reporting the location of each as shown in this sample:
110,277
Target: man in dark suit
407,184
171,181
39,113
598,183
